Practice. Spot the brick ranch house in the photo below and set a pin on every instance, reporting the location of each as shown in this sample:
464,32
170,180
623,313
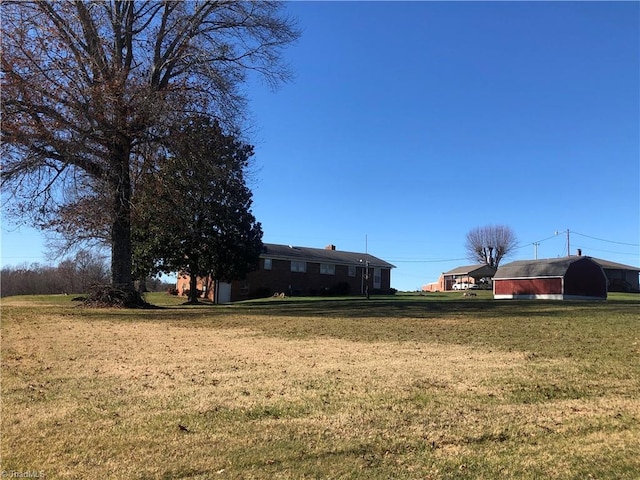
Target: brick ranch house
292,270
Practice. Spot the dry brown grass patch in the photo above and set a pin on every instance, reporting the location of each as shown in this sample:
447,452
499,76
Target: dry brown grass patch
104,398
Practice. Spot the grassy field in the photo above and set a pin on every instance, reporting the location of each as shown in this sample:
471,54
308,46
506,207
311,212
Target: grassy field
407,387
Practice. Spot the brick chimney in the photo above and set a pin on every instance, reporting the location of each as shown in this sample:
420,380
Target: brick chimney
579,252
330,247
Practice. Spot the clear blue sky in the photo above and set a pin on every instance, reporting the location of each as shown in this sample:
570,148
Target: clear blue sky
410,123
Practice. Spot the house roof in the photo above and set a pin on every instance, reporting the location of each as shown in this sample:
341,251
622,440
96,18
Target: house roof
613,265
481,269
550,267
321,255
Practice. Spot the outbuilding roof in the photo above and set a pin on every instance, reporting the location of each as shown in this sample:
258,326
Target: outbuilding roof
550,267
613,265
321,255
482,270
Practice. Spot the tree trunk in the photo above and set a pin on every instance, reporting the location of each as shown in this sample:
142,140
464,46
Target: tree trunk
121,248
193,288
142,285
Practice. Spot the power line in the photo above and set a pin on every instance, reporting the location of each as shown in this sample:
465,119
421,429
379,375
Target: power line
605,251
538,242
604,240
548,238
428,261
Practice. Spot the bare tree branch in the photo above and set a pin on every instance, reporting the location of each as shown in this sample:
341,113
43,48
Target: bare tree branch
91,86
490,244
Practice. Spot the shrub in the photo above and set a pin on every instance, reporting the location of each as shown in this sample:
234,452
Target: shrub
105,296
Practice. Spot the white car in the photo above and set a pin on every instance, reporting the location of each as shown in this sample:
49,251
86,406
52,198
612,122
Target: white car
461,286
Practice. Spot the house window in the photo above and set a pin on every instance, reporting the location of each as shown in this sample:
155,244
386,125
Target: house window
377,278
327,269
352,270
267,264
298,266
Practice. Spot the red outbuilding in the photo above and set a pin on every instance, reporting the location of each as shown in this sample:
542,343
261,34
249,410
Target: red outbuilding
568,278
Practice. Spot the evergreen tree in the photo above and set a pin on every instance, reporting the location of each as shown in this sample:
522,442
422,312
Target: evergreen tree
195,215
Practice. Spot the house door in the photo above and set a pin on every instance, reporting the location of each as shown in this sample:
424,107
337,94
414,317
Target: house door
223,292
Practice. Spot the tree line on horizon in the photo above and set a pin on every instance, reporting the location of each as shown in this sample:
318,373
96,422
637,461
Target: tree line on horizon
71,276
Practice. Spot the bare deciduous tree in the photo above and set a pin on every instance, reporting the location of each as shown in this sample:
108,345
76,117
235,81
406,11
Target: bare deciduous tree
87,86
490,244
72,275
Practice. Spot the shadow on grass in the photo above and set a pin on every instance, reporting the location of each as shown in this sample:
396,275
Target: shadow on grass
418,307
397,307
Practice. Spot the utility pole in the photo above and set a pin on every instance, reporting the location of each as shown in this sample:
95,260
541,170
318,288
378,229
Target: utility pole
364,285
568,243
366,253
535,248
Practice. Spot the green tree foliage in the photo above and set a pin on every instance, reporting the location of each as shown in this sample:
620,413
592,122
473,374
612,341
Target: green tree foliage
195,216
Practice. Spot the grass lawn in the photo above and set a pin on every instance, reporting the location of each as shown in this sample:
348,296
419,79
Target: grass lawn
407,387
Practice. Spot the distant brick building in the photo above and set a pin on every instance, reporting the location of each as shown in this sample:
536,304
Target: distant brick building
293,270
472,274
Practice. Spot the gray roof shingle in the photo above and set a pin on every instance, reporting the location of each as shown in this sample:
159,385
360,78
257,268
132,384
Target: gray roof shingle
613,265
321,255
479,269
550,267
